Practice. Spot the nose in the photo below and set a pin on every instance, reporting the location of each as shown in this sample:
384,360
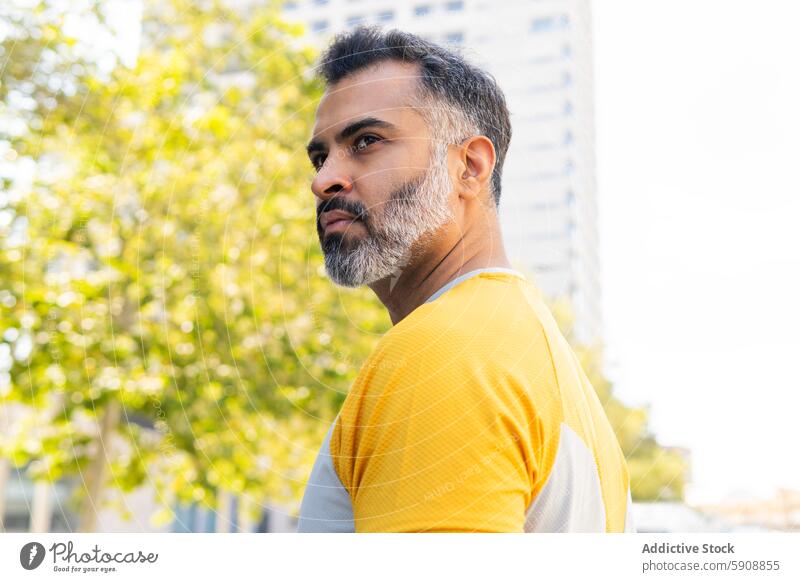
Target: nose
332,179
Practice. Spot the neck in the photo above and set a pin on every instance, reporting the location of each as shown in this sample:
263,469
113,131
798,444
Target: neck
463,250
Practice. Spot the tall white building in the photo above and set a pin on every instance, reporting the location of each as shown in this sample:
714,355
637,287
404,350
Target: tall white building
540,53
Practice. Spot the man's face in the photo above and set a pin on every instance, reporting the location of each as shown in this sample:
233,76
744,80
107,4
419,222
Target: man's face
382,182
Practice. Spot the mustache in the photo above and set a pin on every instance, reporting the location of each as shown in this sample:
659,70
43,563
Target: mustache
336,203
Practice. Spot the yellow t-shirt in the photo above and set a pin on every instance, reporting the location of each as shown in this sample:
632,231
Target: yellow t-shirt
472,415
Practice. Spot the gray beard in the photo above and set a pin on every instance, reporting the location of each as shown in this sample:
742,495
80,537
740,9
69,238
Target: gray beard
417,208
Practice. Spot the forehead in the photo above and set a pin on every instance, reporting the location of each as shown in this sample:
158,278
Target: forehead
384,90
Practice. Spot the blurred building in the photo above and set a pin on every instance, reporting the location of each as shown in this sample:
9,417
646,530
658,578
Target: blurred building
780,512
23,498
540,53
50,507
674,517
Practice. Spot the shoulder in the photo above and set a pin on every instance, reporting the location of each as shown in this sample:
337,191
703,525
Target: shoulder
474,345
468,317
486,322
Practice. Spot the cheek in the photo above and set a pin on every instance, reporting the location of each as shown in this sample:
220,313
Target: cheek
372,190
396,162
383,173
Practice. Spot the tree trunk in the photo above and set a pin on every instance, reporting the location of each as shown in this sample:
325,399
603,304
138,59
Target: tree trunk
224,506
94,477
245,517
5,472
42,507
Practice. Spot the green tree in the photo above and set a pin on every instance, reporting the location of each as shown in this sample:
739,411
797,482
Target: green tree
163,294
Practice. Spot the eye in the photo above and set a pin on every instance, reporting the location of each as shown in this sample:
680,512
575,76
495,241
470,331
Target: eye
318,161
364,141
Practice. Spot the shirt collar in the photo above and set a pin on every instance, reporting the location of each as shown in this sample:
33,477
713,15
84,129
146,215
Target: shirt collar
468,275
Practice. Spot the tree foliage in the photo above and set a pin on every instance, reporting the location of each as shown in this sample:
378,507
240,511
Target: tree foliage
163,297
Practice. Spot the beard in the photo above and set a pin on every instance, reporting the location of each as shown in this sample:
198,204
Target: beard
417,208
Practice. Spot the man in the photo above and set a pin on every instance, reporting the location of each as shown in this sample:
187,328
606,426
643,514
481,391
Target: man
473,413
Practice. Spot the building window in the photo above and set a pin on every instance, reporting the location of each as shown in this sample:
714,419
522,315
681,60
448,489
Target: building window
386,16
319,26
454,38
354,20
454,6
422,10
545,24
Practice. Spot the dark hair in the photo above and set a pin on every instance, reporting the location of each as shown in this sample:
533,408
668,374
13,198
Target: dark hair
467,92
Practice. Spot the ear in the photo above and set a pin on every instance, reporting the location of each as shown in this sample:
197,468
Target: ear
472,164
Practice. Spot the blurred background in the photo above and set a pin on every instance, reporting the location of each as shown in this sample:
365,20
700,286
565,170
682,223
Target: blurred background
171,353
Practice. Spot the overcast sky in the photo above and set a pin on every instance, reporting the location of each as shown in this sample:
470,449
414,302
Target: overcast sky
698,139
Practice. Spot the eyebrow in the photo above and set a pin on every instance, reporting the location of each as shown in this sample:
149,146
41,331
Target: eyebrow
316,145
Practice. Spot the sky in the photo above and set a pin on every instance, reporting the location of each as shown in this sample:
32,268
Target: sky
698,154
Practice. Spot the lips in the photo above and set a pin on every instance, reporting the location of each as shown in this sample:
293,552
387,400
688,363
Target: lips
336,220
340,221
